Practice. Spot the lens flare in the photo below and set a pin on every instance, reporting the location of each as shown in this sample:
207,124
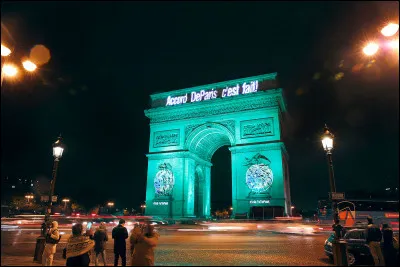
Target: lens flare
370,49
390,29
9,70
5,51
29,65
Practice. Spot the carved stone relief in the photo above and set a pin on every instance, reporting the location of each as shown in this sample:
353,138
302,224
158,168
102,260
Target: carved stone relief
257,128
166,138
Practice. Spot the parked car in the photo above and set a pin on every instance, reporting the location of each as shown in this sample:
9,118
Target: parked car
357,248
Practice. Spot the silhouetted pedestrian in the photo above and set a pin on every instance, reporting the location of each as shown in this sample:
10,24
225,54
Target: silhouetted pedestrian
100,238
388,249
373,238
119,234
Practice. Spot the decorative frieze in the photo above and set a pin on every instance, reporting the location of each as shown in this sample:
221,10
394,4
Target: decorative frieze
257,128
166,138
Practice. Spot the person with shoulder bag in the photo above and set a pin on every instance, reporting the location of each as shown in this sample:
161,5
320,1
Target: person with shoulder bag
52,238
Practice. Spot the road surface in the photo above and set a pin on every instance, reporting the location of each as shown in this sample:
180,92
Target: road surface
183,248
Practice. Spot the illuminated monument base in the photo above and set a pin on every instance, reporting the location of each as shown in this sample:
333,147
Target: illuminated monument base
186,128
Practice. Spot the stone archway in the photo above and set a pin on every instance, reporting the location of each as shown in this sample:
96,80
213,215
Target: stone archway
188,126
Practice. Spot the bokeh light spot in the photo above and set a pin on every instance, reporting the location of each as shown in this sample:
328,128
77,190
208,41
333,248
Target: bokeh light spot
339,76
40,55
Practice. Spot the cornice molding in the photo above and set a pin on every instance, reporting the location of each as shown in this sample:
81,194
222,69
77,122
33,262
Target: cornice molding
258,147
178,154
259,100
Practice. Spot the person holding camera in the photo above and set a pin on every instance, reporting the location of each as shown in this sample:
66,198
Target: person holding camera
144,245
77,252
52,239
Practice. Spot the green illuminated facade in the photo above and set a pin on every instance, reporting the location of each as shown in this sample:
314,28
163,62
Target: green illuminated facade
187,126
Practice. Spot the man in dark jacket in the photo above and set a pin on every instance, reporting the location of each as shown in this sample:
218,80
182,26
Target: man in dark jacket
119,234
388,249
100,238
373,238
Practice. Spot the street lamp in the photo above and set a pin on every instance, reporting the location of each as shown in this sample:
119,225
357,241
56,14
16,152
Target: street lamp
327,144
58,149
29,197
339,246
110,205
65,200
143,207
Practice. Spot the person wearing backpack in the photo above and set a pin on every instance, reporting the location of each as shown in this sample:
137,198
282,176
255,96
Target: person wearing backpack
52,238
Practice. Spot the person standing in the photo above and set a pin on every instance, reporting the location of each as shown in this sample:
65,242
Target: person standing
52,238
119,234
78,247
100,238
135,232
145,243
373,238
389,252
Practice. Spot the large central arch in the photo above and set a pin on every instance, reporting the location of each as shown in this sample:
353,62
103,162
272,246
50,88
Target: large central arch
187,127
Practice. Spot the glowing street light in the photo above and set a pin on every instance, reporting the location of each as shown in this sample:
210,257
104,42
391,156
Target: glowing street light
58,149
292,207
5,51
29,197
65,200
390,29
370,49
110,204
9,70
143,207
29,65
327,140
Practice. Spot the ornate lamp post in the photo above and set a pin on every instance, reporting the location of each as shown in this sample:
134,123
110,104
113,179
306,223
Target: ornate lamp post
327,144
339,246
58,149
65,200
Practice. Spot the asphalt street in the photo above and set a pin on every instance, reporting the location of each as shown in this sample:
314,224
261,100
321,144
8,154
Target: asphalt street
184,248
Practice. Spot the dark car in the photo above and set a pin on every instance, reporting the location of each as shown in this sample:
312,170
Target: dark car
357,248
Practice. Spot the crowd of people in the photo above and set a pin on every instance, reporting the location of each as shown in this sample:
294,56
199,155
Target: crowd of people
380,242
82,245
143,239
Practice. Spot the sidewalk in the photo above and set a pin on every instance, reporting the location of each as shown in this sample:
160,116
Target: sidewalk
25,261
28,261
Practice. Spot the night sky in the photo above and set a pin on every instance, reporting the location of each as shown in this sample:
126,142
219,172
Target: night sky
108,57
